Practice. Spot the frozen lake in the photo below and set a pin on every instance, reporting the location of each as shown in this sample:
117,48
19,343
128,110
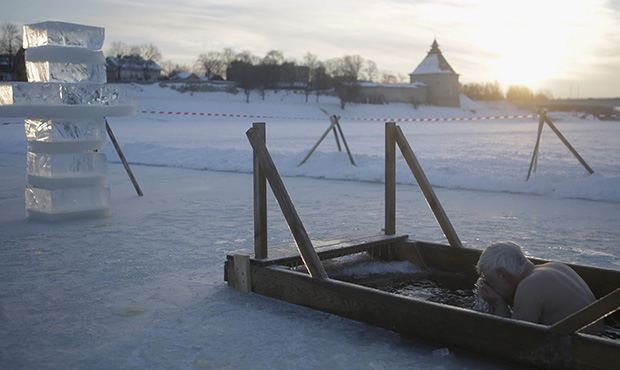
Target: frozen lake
144,288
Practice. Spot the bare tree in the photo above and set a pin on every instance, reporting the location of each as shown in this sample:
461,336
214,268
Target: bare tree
371,71
10,38
211,63
273,57
118,48
247,57
388,77
352,65
150,52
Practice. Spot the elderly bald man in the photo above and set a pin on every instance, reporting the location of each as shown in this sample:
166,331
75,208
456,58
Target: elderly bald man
543,294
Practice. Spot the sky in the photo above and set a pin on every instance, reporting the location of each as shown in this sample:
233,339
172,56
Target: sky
571,47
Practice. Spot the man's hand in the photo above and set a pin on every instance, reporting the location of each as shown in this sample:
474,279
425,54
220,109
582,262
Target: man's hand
496,301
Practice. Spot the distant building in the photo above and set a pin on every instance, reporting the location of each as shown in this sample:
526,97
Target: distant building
442,82
433,82
132,68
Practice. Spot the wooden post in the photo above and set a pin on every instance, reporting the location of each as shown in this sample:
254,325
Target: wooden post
304,244
241,275
337,139
336,123
570,147
541,122
427,189
390,179
587,315
317,144
123,160
260,201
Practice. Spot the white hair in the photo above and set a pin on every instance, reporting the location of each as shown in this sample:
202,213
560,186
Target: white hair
504,254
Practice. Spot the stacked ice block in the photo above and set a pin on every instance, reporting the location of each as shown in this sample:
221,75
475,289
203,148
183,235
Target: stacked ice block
65,102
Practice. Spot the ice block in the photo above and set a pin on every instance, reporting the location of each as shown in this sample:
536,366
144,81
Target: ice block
63,34
39,93
65,72
87,165
64,135
67,202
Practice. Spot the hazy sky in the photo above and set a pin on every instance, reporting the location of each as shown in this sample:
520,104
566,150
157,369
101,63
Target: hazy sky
569,46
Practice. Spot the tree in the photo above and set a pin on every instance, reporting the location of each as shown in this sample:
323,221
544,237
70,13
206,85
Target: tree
273,57
118,49
520,95
10,38
247,57
371,71
483,91
388,77
150,52
351,66
211,63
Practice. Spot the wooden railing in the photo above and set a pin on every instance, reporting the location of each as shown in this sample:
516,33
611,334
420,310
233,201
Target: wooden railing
394,136
266,171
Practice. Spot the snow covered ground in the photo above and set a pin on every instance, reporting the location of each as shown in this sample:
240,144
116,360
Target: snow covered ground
144,287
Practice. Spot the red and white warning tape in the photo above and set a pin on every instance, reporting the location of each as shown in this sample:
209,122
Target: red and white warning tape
372,119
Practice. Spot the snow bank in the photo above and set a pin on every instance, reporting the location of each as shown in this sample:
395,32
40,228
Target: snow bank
479,155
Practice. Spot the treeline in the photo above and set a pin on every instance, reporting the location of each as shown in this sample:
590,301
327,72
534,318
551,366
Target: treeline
273,71
517,94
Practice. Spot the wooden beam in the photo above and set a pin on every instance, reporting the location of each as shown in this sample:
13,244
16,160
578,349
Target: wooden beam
337,139
260,201
123,160
331,125
427,189
541,122
568,145
304,244
587,315
336,123
390,179
338,248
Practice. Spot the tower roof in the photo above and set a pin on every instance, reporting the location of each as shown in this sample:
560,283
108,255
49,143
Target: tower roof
434,63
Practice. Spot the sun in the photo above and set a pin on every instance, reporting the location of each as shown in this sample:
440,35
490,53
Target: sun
533,41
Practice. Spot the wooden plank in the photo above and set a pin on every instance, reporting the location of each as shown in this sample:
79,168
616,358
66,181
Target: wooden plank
587,315
568,145
304,245
336,123
515,340
260,201
331,125
427,189
390,179
541,122
338,248
123,159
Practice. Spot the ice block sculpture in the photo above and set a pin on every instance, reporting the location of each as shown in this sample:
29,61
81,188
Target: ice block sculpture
65,102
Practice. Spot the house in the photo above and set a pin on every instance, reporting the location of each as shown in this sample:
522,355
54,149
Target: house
432,82
132,68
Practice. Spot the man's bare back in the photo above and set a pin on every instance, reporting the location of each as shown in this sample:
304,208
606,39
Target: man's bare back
550,293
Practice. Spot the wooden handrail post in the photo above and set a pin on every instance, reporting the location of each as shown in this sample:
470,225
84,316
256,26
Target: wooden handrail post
304,244
587,315
336,122
390,179
260,201
427,189
541,122
123,159
568,145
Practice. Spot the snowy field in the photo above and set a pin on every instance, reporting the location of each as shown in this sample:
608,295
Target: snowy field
144,288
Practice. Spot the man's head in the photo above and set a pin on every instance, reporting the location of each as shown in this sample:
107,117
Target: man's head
503,265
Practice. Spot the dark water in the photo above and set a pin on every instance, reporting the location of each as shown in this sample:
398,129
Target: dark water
451,290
